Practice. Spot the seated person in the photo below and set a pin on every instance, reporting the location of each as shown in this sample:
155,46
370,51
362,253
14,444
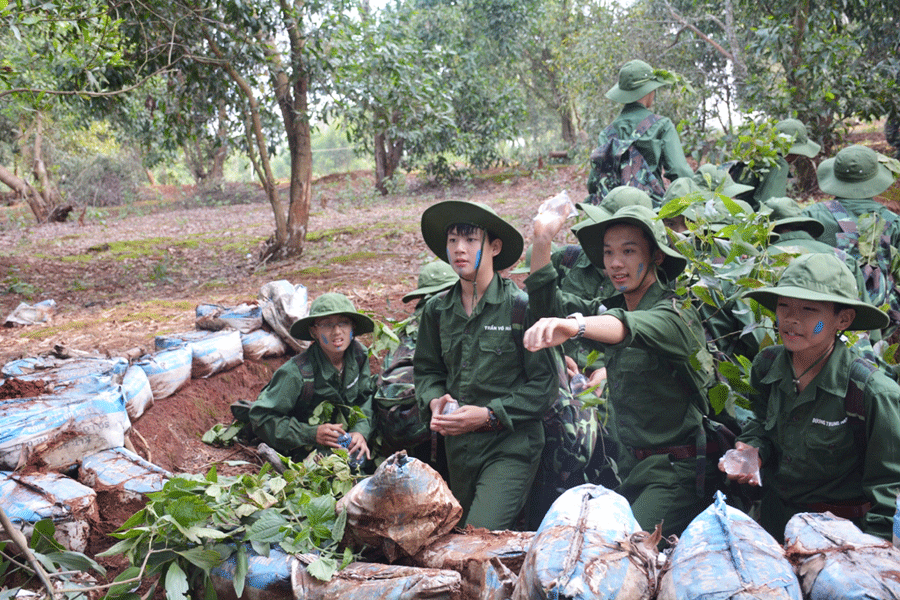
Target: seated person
334,370
826,422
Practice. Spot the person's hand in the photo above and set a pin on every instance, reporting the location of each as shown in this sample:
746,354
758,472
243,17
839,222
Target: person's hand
571,366
358,446
748,474
596,380
464,419
547,225
327,434
549,332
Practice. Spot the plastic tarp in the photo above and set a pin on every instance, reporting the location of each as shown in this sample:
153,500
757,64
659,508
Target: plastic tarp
283,304
589,546
725,555
122,473
836,560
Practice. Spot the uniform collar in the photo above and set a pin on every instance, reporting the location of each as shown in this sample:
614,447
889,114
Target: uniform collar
492,295
832,379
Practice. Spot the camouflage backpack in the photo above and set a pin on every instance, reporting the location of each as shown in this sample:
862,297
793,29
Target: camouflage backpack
617,162
397,415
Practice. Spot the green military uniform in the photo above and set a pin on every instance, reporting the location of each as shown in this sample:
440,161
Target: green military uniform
479,359
807,444
280,415
855,207
774,182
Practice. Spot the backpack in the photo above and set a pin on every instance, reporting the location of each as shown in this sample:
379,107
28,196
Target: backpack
397,417
617,162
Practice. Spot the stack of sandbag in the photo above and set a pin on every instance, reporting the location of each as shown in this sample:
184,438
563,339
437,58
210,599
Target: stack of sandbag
725,555
589,547
400,509
257,339
836,560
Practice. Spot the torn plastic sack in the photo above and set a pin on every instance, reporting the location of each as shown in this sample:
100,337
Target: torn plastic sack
137,391
262,343
488,561
27,499
268,577
725,554
836,560
122,475
62,373
399,509
26,314
211,353
57,430
214,317
283,304
589,546
167,370
373,581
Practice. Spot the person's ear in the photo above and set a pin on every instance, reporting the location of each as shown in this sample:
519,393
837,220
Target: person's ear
496,246
658,257
845,317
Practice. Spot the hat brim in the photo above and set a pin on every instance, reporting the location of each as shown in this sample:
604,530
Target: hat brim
361,324
438,217
867,317
808,149
830,184
591,238
617,94
811,226
425,291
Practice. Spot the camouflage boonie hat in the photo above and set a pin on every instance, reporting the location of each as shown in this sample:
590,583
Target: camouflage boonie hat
636,80
433,277
796,130
822,277
329,304
855,172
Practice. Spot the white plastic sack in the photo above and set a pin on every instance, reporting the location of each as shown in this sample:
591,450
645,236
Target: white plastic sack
268,577
244,317
26,314
167,370
400,508
68,372
137,391
211,352
122,473
262,343
283,304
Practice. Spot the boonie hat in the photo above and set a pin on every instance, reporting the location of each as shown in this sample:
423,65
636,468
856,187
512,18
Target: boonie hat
680,188
438,217
855,172
329,304
433,277
797,131
822,277
591,237
636,80
785,211
718,178
618,197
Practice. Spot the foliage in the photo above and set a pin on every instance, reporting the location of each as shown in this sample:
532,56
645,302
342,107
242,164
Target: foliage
195,522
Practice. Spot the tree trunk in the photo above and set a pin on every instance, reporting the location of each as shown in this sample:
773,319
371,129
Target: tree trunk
23,189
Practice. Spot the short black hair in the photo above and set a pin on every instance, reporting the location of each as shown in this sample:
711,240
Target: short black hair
468,229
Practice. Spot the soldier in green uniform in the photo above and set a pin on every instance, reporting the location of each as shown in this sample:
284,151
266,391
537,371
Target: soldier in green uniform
469,352
334,369
826,423
774,182
649,338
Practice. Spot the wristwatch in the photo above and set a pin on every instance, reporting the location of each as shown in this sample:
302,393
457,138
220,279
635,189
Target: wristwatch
579,319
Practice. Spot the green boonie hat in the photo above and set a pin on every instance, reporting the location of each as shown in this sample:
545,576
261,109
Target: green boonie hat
785,211
618,197
802,144
718,178
681,187
433,277
591,237
636,80
329,304
855,172
438,217
822,277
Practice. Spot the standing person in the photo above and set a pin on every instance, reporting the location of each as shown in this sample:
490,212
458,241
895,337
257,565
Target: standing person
826,423
653,137
334,370
774,182
649,339
470,352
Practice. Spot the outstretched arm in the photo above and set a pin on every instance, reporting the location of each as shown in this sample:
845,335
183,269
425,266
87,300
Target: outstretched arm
553,331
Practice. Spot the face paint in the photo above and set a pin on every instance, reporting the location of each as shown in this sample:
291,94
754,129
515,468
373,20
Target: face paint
640,269
477,260
819,327
324,340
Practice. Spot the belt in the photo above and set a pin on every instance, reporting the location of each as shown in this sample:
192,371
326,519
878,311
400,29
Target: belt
677,452
849,510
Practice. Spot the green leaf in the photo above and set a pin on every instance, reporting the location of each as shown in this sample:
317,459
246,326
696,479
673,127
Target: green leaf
75,561
322,568
718,397
267,528
204,558
189,510
176,583
240,571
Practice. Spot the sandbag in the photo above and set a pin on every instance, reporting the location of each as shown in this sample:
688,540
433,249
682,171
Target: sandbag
262,343
27,499
60,373
400,508
834,559
373,581
211,353
589,546
137,391
167,370
59,429
283,304
725,555
27,314
268,577
487,561
122,474
214,317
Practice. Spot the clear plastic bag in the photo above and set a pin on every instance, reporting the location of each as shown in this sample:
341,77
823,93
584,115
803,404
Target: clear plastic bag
742,462
559,207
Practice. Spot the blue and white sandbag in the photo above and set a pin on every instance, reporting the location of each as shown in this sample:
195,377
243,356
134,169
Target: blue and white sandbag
836,560
211,352
262,343
725,555
215,317
122,474
167,370
589,547
137,391
87,372
268,577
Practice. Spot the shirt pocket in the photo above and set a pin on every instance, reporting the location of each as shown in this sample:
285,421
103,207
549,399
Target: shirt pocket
634,360
498,352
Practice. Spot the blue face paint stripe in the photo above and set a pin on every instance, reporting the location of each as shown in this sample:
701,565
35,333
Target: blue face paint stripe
324,340
819,327
478,260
